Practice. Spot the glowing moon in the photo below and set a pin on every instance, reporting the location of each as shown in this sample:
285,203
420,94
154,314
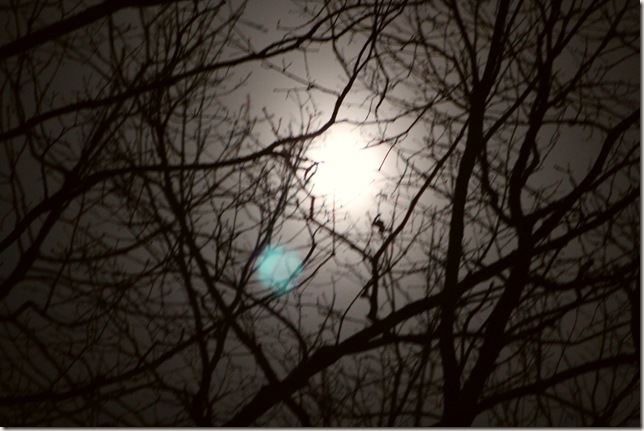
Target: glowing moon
345,170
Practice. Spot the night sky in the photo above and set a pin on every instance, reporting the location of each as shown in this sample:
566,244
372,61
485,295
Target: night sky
305,213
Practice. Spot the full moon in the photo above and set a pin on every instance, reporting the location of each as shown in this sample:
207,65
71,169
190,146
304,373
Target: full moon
345,169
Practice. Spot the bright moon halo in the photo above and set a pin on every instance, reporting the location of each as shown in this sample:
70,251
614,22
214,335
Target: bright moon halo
345,170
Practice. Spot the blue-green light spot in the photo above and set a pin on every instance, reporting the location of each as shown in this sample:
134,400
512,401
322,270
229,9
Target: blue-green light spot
278,268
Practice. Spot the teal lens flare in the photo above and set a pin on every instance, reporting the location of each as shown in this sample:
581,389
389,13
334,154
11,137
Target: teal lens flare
278,268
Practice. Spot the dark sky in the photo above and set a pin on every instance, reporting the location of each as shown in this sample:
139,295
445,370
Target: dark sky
193,221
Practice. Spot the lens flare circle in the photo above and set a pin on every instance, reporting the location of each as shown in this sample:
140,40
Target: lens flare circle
278,268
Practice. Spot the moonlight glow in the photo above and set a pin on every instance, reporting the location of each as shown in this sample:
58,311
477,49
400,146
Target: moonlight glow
345,171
